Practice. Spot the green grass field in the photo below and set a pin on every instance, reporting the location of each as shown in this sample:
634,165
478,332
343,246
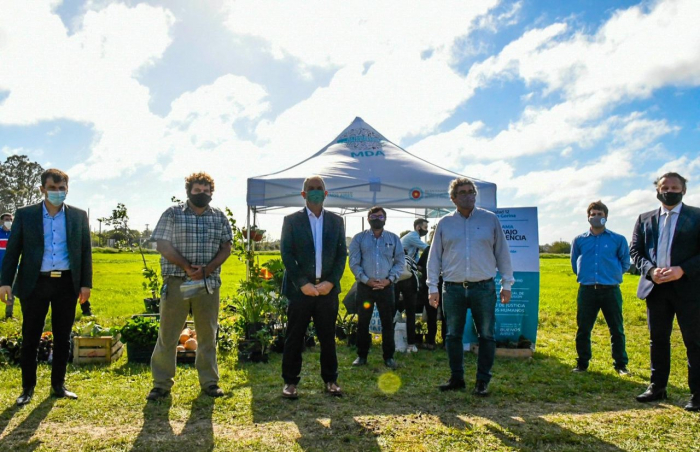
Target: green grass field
536,404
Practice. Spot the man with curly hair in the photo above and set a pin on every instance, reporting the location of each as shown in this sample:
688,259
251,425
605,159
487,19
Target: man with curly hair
194,240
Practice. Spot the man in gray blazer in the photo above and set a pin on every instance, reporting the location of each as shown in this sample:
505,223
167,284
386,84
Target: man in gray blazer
53,240
666,249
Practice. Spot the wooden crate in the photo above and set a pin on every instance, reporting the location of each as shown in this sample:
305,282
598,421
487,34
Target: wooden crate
507,352
95,350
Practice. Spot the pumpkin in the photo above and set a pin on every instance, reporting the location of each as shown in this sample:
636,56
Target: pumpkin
191,344
181,348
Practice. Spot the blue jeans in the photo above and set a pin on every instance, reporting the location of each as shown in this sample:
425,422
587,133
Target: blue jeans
481,299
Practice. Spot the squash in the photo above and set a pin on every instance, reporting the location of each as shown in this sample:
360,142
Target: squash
191,344
181,348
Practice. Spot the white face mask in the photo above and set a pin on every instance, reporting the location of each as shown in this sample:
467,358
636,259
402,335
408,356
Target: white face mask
8,225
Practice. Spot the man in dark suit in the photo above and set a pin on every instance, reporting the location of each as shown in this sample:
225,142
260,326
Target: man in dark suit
53,240
666,249
314,253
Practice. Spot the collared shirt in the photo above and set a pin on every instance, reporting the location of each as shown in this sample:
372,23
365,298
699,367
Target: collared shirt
599,259
55,241
317,231
412,244
197,238
376,257
469,249
663,215
4,236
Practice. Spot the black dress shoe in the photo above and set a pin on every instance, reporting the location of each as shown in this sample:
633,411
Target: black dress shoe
61,392
25,397
453,385
693,403
481,388
623,371
652,393
391,364
359,361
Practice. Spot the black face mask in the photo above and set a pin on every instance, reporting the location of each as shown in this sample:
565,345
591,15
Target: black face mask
377,224
200,199
422,232
669,198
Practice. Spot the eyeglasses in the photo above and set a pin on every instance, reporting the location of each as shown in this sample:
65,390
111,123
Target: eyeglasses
377,217
466,193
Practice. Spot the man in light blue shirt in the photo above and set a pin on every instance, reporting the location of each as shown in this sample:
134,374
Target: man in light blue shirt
376,260
599,257
467,249
412,243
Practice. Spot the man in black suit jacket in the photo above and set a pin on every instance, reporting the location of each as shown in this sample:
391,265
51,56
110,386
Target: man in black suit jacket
53,240
666,249
314,253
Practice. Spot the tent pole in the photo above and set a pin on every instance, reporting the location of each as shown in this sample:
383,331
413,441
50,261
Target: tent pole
247,233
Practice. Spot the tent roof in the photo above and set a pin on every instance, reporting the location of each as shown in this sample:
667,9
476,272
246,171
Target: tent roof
361,169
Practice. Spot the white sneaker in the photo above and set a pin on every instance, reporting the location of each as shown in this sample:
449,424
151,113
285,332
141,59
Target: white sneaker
411,349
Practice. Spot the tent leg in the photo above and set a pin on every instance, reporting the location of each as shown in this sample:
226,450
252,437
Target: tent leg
247,231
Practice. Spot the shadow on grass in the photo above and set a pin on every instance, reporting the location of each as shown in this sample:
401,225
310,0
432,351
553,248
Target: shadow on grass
157,433
21,436
524,393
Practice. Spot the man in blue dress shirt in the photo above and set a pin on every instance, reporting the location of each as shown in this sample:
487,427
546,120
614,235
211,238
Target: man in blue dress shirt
51,243
599,257
412,243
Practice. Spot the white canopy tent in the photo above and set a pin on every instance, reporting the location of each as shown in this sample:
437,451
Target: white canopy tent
361,169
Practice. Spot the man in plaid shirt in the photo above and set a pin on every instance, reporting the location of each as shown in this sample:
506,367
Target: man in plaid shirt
194,240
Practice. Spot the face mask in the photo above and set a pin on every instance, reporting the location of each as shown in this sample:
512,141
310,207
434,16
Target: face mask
377,224
8,225
56,197
466,202
200,199
669,198
422,232
597,222
315,196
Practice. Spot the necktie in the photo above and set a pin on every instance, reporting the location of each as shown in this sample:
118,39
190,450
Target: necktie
664,257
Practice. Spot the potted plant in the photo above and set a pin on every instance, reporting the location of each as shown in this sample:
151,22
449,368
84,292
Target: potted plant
256,234
140,334
252,306
151,284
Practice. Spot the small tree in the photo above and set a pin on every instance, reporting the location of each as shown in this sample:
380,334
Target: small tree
21,179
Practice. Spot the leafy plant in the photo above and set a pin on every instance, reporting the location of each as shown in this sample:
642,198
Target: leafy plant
140,330
92,329
10,349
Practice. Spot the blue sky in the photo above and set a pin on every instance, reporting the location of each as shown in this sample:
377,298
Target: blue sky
559,103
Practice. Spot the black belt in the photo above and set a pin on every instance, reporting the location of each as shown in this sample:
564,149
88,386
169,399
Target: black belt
55,273
600,286
318,281
467,284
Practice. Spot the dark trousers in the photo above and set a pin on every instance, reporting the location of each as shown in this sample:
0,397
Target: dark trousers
663,303
409,289
59,293
324,311
591,300
366,299
481,299
432,313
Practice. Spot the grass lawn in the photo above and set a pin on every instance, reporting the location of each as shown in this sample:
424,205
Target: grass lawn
536,404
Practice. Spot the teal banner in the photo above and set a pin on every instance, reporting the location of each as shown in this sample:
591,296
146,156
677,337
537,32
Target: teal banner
517,320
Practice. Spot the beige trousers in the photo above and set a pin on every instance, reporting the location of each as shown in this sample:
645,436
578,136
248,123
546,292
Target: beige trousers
173,314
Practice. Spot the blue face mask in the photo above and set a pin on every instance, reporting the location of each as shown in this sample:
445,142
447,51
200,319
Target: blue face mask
315,196
56,197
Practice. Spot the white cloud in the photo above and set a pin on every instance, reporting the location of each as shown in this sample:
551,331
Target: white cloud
86,77
341,33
